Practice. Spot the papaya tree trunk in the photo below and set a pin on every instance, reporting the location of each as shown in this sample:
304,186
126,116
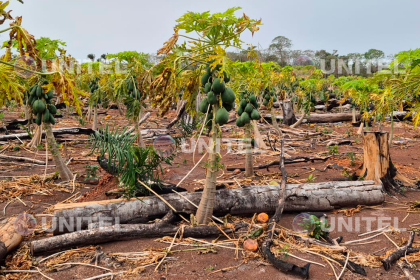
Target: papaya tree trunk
353,112
288,113
360,131
274,120
27,112
205,208
36,138
391,136
61,166
140,141
95,118
89,114
299,122
120,110
249,167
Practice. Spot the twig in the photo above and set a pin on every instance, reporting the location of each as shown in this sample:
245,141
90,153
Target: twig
40,272
335,274
381,229
179,183
296,257
359,240
391,240
168,250
74,180
227,268
85,264
100,276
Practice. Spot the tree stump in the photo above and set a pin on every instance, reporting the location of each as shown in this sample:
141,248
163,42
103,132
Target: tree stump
377,165
9,238
289,117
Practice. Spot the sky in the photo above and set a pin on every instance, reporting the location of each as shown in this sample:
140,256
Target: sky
104,26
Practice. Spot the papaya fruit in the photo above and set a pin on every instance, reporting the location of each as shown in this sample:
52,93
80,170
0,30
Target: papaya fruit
222,116
240,110
33,90
38,119
243,103
265,103
229,106
255,115
249,108
218,86
205,79
228,96
226,77
209,119
204,104
207,88
252,99
274,98
52,120
239,122
50,94
46,117
267,97
52,109
38,107
211,98
39,92
245,118
30,100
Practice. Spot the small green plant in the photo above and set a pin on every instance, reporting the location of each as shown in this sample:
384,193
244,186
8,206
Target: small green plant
349,133
347,174
1,116
311,178
12,105
316,228
352,158
333,150
91,172
16,148
40,146
82,121
184,161
210,268
284,251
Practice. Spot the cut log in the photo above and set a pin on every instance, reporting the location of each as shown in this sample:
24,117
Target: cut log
301,197
322,118
9,238
377,164
292,160
125,232
58,131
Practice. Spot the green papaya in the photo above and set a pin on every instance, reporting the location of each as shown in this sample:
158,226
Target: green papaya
30,100
222,116
130,86
211,98
209,119
46,117
245,118
267,97
39,92
274,98
52,120
226,77
205,78
229,106
33,90
218,86
249,108
240,110
38,119
207,88
38,107
52,109
265,103
255,115
239,122
50,94
228,96
252,99
243,103
204,105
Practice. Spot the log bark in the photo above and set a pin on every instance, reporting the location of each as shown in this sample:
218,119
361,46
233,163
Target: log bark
300,197
180,111
292,160
377,164
401,252
125,232
9,238
324,118
58,131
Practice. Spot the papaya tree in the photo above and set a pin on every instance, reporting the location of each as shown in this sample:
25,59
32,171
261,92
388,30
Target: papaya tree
202,59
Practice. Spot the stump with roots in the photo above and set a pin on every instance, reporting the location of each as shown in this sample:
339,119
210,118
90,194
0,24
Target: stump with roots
377,165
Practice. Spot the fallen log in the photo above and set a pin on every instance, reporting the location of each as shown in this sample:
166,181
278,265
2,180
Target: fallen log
56,132
22,159
9,238
301,197
321,118
125,232
286,161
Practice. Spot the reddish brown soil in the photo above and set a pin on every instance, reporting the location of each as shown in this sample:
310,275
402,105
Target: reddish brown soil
191,265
